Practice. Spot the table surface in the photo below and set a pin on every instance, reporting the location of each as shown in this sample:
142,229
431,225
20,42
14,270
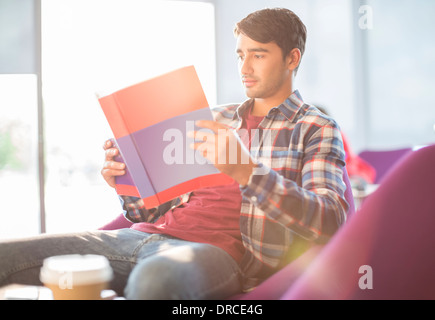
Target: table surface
24,292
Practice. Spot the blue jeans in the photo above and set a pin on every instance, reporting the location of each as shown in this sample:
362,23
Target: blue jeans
145,266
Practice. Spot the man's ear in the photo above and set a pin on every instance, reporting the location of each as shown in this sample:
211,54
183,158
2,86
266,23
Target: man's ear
294,58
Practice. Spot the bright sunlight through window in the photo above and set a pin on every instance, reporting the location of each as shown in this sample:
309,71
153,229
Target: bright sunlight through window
89,46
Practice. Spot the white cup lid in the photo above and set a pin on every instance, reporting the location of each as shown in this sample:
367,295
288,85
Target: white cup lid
69,270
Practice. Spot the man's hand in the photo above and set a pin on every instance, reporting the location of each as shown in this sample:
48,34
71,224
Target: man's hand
111,168
224,150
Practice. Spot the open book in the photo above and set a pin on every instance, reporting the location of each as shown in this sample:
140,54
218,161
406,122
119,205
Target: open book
150,121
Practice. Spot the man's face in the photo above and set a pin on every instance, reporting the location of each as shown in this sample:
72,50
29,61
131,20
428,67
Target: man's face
263,70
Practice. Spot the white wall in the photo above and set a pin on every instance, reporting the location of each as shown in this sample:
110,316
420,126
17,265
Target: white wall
401,56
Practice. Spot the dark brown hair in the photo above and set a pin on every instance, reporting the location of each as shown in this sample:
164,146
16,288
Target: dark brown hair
278,25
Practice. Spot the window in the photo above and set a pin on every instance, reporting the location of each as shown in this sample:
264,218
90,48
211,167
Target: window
19,208
401,60
88,46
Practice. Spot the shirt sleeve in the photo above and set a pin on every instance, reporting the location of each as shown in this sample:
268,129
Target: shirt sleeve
134,209
315,208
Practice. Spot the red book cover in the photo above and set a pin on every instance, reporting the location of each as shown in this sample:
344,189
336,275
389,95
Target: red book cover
150,121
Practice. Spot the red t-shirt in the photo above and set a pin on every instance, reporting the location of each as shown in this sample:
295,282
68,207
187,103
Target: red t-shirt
210,216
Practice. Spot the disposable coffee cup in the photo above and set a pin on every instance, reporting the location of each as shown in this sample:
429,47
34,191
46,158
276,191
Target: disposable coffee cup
76,277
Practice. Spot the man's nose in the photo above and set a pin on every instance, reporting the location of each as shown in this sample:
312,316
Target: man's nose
246,66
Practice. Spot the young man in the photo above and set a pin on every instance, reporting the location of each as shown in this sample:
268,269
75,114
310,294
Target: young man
216,242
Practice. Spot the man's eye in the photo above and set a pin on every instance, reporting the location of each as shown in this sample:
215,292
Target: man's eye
240,58
259,56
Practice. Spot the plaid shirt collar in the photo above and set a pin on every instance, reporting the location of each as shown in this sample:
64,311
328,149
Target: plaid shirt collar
289,108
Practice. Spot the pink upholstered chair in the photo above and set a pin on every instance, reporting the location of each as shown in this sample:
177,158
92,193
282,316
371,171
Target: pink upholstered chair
383,160
119,222
386,251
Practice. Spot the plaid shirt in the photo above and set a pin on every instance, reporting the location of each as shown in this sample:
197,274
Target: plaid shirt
296,196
